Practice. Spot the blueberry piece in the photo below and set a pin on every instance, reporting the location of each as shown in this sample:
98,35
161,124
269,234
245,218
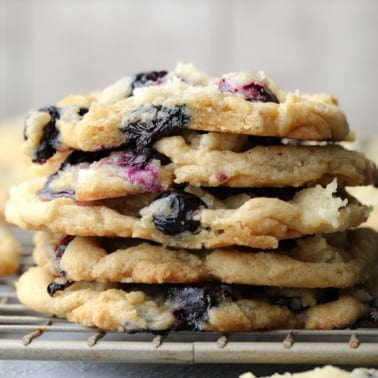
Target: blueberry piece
82,111
253,91
192,303
53,287
49,141
178,217
163,121
147,78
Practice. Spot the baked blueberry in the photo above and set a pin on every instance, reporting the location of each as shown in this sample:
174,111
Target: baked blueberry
53,287
149,123
176,215
49,141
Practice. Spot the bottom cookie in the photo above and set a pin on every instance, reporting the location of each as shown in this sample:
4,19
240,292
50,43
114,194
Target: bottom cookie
210,307
9,253
335,260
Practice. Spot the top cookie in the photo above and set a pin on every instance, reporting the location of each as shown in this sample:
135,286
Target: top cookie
137,112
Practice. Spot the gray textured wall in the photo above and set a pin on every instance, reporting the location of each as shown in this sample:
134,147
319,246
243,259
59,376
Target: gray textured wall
49,48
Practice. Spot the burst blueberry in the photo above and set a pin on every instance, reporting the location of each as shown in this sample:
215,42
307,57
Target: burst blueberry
163,121
178,213
53,287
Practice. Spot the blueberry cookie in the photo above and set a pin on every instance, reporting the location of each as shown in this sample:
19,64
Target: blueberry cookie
10,251
159,308
206,160
241,103
88,176
191,218
336,260
48,131
116,260
209,159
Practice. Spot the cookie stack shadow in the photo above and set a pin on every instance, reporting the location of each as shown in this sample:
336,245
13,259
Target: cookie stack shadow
173,201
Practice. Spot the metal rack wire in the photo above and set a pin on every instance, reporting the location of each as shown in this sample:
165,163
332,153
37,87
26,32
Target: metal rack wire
26,335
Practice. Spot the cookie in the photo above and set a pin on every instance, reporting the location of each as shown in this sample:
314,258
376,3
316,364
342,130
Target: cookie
92,176
210,159
242,103
10,251
204,160
324,372
190,219
116,260
41,131
334,260
14,165
339,260
177,106
43,141
159,308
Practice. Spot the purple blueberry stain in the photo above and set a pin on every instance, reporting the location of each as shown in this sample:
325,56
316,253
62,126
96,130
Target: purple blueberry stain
147,177
177,215
136,167
254,91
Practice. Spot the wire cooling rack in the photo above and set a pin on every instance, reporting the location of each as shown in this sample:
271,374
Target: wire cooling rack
27,335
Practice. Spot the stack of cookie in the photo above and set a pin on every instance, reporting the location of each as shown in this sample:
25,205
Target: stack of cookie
171,200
